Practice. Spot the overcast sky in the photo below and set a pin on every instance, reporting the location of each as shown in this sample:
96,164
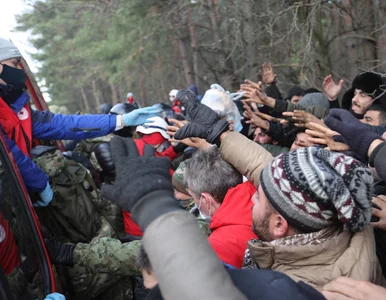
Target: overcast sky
9,9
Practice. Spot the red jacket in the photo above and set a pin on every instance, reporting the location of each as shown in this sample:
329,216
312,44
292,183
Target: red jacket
18,126
231,225
129,225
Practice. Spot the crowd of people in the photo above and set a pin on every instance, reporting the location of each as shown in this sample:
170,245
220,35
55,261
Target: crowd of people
244,195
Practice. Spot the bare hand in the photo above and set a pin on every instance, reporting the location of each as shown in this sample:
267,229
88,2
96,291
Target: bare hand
251,84
254,118
380,201
321,134
268,76
190,142
344,288
302,118
331,88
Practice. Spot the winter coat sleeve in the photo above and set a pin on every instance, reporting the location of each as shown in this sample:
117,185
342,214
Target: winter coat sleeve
108,256
182,260
378,160
284,135
282,106
49,126
334,104
34,178
273,92
248,157
377,129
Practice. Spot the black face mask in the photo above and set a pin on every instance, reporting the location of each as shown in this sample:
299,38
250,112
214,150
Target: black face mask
13,76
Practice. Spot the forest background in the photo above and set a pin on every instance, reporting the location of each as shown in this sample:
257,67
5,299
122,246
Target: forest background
95,51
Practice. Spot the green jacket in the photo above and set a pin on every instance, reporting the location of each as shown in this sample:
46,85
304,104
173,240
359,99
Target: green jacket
275,150
283,106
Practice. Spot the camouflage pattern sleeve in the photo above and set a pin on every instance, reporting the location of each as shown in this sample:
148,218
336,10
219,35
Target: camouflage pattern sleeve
108,255
17,283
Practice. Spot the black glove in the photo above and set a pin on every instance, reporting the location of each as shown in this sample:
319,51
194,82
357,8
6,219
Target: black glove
352,132
30,265
142,185
179,148
104,157
203,121
60,253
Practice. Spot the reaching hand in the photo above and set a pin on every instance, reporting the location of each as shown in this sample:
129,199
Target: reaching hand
344,288
46,196
380,213
302,118
253,95
322,135
352,132
190,142
268,76
251,84
140,115
331,88
254,118
142,185
204,122
55,296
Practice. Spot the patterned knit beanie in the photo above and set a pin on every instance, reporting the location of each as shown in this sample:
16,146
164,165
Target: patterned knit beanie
312,188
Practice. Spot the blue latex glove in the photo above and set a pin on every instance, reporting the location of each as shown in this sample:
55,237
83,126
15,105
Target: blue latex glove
55,296
46,196
140,115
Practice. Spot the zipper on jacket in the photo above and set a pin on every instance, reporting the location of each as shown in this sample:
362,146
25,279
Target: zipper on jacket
85,129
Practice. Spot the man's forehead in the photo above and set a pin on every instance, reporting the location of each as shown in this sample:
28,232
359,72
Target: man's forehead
372,113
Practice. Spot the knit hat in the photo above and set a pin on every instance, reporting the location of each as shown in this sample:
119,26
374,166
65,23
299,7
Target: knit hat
8,50
312,188
178,179
315,99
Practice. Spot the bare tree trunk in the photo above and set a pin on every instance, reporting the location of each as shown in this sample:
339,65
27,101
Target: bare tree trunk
185,61
193,46
85,100
250,45
114,94
96,95
213,21
142,89
380,33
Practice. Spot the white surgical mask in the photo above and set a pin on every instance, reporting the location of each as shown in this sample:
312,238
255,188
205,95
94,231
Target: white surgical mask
202,215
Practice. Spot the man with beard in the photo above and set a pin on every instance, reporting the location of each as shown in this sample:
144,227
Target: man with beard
312,209
311,213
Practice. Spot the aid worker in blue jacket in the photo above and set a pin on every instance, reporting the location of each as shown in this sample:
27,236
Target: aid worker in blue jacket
21,124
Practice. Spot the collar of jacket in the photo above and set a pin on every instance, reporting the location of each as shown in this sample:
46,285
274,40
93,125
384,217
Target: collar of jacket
20,102
266,255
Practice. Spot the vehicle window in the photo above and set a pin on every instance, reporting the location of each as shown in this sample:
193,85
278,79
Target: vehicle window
21,254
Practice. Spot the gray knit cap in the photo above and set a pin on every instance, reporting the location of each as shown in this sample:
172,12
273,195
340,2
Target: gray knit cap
313,188
8,50
315,99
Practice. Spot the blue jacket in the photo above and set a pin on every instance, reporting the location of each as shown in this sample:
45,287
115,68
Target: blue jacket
49,126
